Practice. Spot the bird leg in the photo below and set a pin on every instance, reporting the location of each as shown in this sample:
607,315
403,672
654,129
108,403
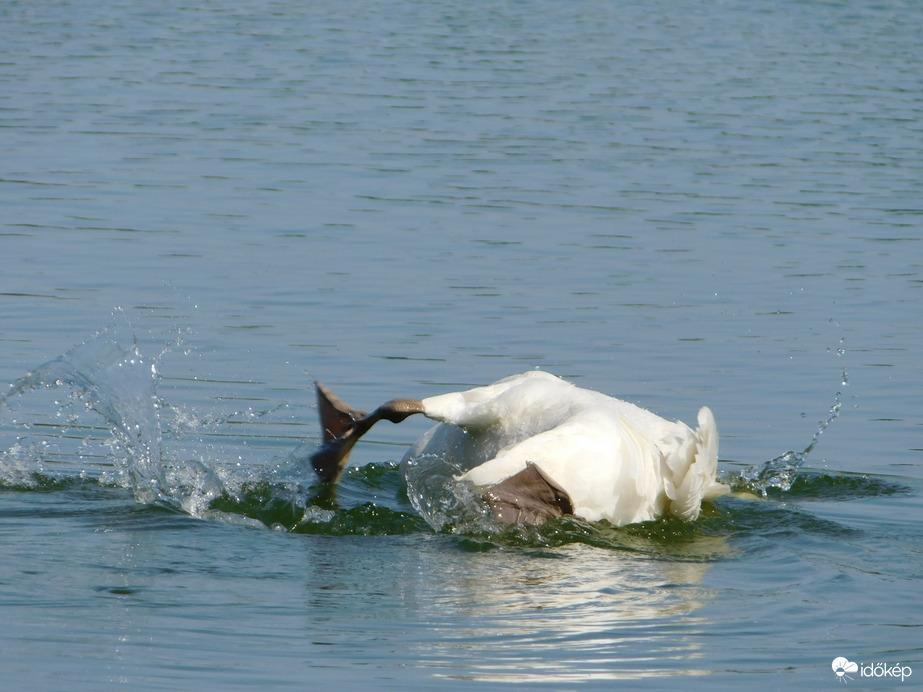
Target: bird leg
528,497
342,426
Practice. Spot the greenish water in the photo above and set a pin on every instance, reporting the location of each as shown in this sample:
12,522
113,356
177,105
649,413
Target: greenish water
679,204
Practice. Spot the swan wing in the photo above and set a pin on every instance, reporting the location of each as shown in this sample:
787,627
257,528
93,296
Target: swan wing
608,469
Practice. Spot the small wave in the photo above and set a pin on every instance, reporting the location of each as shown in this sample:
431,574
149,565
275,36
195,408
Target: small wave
810,485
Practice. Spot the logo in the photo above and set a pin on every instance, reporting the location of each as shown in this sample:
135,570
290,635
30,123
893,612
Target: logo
842,667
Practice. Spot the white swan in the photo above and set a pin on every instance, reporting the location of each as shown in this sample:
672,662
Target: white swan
542,447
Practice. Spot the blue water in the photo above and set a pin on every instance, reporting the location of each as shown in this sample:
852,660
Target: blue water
677,203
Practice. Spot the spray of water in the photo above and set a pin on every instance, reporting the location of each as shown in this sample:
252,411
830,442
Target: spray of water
115,380
780,473
109,377
158,451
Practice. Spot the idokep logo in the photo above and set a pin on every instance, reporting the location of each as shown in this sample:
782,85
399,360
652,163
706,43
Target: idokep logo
842,667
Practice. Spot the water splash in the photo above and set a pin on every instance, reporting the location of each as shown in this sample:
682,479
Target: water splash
444,502
782,471
111,377
162,453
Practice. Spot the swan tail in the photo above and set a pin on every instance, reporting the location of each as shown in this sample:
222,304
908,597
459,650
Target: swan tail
700,482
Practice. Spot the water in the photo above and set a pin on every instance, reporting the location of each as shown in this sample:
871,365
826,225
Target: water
683,203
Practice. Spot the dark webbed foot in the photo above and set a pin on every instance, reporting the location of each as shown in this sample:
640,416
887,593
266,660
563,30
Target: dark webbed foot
528,497
342,426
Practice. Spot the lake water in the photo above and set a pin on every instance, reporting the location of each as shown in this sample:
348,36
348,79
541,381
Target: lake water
680,203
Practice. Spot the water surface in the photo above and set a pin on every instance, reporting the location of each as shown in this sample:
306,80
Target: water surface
677,203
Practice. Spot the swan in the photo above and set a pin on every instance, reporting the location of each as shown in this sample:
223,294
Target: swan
540,447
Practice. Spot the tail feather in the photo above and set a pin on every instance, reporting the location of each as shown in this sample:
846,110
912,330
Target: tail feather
699,483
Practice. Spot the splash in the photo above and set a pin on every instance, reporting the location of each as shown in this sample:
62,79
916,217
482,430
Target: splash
114,379
444,502
107,376
781,472
161,453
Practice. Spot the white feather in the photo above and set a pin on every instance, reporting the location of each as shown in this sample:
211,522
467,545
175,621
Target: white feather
617,461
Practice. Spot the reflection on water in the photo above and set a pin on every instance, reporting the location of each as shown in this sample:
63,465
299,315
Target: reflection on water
571,614
578,615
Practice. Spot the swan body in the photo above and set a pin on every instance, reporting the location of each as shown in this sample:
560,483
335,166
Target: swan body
601,458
